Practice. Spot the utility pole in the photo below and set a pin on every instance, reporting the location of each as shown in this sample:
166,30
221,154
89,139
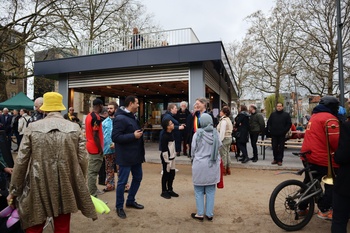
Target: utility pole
340,54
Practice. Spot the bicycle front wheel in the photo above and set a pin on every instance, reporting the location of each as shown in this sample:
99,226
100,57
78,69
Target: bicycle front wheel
283,206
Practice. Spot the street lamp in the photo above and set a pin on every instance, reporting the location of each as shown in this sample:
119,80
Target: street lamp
294,75
340,53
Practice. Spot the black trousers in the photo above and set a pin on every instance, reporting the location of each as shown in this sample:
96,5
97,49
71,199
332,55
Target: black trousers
341,213
242,146
325,202
278,147
167,177
253,139
102,173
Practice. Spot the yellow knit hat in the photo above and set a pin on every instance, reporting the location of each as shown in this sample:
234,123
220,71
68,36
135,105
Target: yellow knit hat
52,102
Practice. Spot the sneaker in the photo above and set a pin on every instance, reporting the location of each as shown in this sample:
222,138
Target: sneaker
274,162
100,192
328,215
173,194
165,194
303,213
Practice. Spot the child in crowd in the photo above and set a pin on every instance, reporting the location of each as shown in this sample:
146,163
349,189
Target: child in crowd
168,154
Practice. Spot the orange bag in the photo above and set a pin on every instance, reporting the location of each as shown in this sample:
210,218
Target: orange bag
220,185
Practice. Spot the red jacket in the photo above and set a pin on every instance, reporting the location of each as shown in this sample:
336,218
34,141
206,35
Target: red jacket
315,138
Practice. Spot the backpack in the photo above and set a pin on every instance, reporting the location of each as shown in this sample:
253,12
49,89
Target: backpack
27,121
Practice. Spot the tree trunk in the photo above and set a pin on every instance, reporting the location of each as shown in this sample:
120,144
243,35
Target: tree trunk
3,91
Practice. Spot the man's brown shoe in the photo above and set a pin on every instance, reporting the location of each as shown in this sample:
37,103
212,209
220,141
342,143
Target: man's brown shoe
274,162
279,163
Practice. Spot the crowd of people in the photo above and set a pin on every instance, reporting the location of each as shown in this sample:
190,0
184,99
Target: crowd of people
113,142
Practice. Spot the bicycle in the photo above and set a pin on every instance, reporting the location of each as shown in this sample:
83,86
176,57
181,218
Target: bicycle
286,198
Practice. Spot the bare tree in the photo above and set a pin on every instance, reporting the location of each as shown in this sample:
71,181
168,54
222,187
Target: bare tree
271,58
238,54
315,42
87,20
41,25
22,22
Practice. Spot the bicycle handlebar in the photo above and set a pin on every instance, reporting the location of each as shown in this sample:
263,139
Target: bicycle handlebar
302,154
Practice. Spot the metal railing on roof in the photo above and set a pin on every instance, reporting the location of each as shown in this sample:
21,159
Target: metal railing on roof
138,41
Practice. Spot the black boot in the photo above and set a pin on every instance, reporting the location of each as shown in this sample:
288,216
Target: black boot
245,159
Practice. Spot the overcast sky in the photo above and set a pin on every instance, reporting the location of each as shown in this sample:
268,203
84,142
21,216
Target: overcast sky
211,20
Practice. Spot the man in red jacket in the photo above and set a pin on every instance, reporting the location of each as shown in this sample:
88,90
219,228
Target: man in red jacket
323,116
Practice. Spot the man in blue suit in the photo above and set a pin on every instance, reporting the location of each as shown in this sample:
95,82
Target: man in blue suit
130,150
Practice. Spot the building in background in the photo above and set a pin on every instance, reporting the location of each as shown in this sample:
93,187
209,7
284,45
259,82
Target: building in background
12,64
167,67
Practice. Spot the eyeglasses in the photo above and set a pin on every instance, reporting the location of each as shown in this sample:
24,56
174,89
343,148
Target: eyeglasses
72,110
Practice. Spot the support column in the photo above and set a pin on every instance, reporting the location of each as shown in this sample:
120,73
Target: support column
63,90
196,84
70,97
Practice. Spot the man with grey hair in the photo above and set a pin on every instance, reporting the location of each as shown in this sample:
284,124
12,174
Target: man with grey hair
38,114
181,116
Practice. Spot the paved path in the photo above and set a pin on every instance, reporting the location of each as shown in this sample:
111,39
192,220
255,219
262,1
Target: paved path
290,161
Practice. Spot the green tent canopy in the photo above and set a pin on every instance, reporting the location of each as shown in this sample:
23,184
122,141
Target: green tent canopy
19,101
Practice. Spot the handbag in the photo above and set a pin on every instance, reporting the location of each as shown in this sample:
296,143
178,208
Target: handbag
220,185
289,134
236,134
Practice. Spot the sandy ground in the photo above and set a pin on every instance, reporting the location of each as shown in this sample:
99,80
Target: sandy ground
242,206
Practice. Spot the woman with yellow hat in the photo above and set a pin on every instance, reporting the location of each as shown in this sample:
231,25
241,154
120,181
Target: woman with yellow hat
50,171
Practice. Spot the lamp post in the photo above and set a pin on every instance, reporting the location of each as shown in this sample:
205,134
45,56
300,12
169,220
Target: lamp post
294,75
340,54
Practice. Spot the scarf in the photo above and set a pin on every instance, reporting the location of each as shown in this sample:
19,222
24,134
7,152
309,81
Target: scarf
195,123
69,116
206,124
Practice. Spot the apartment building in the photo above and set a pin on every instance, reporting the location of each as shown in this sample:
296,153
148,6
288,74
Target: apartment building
12,64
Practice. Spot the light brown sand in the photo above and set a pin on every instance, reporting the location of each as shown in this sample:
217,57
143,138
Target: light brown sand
242,206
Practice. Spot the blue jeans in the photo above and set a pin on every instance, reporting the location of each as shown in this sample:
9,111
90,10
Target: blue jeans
209,192
124,171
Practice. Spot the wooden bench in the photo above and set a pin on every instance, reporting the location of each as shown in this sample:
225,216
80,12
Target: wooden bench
290,143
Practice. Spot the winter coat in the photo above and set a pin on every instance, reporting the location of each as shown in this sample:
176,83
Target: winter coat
176,131
279,123
5,123
256,123
242,127
182,116
204,172
22,123
130,150
341,157
49,176
315,137
190,126
107,127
